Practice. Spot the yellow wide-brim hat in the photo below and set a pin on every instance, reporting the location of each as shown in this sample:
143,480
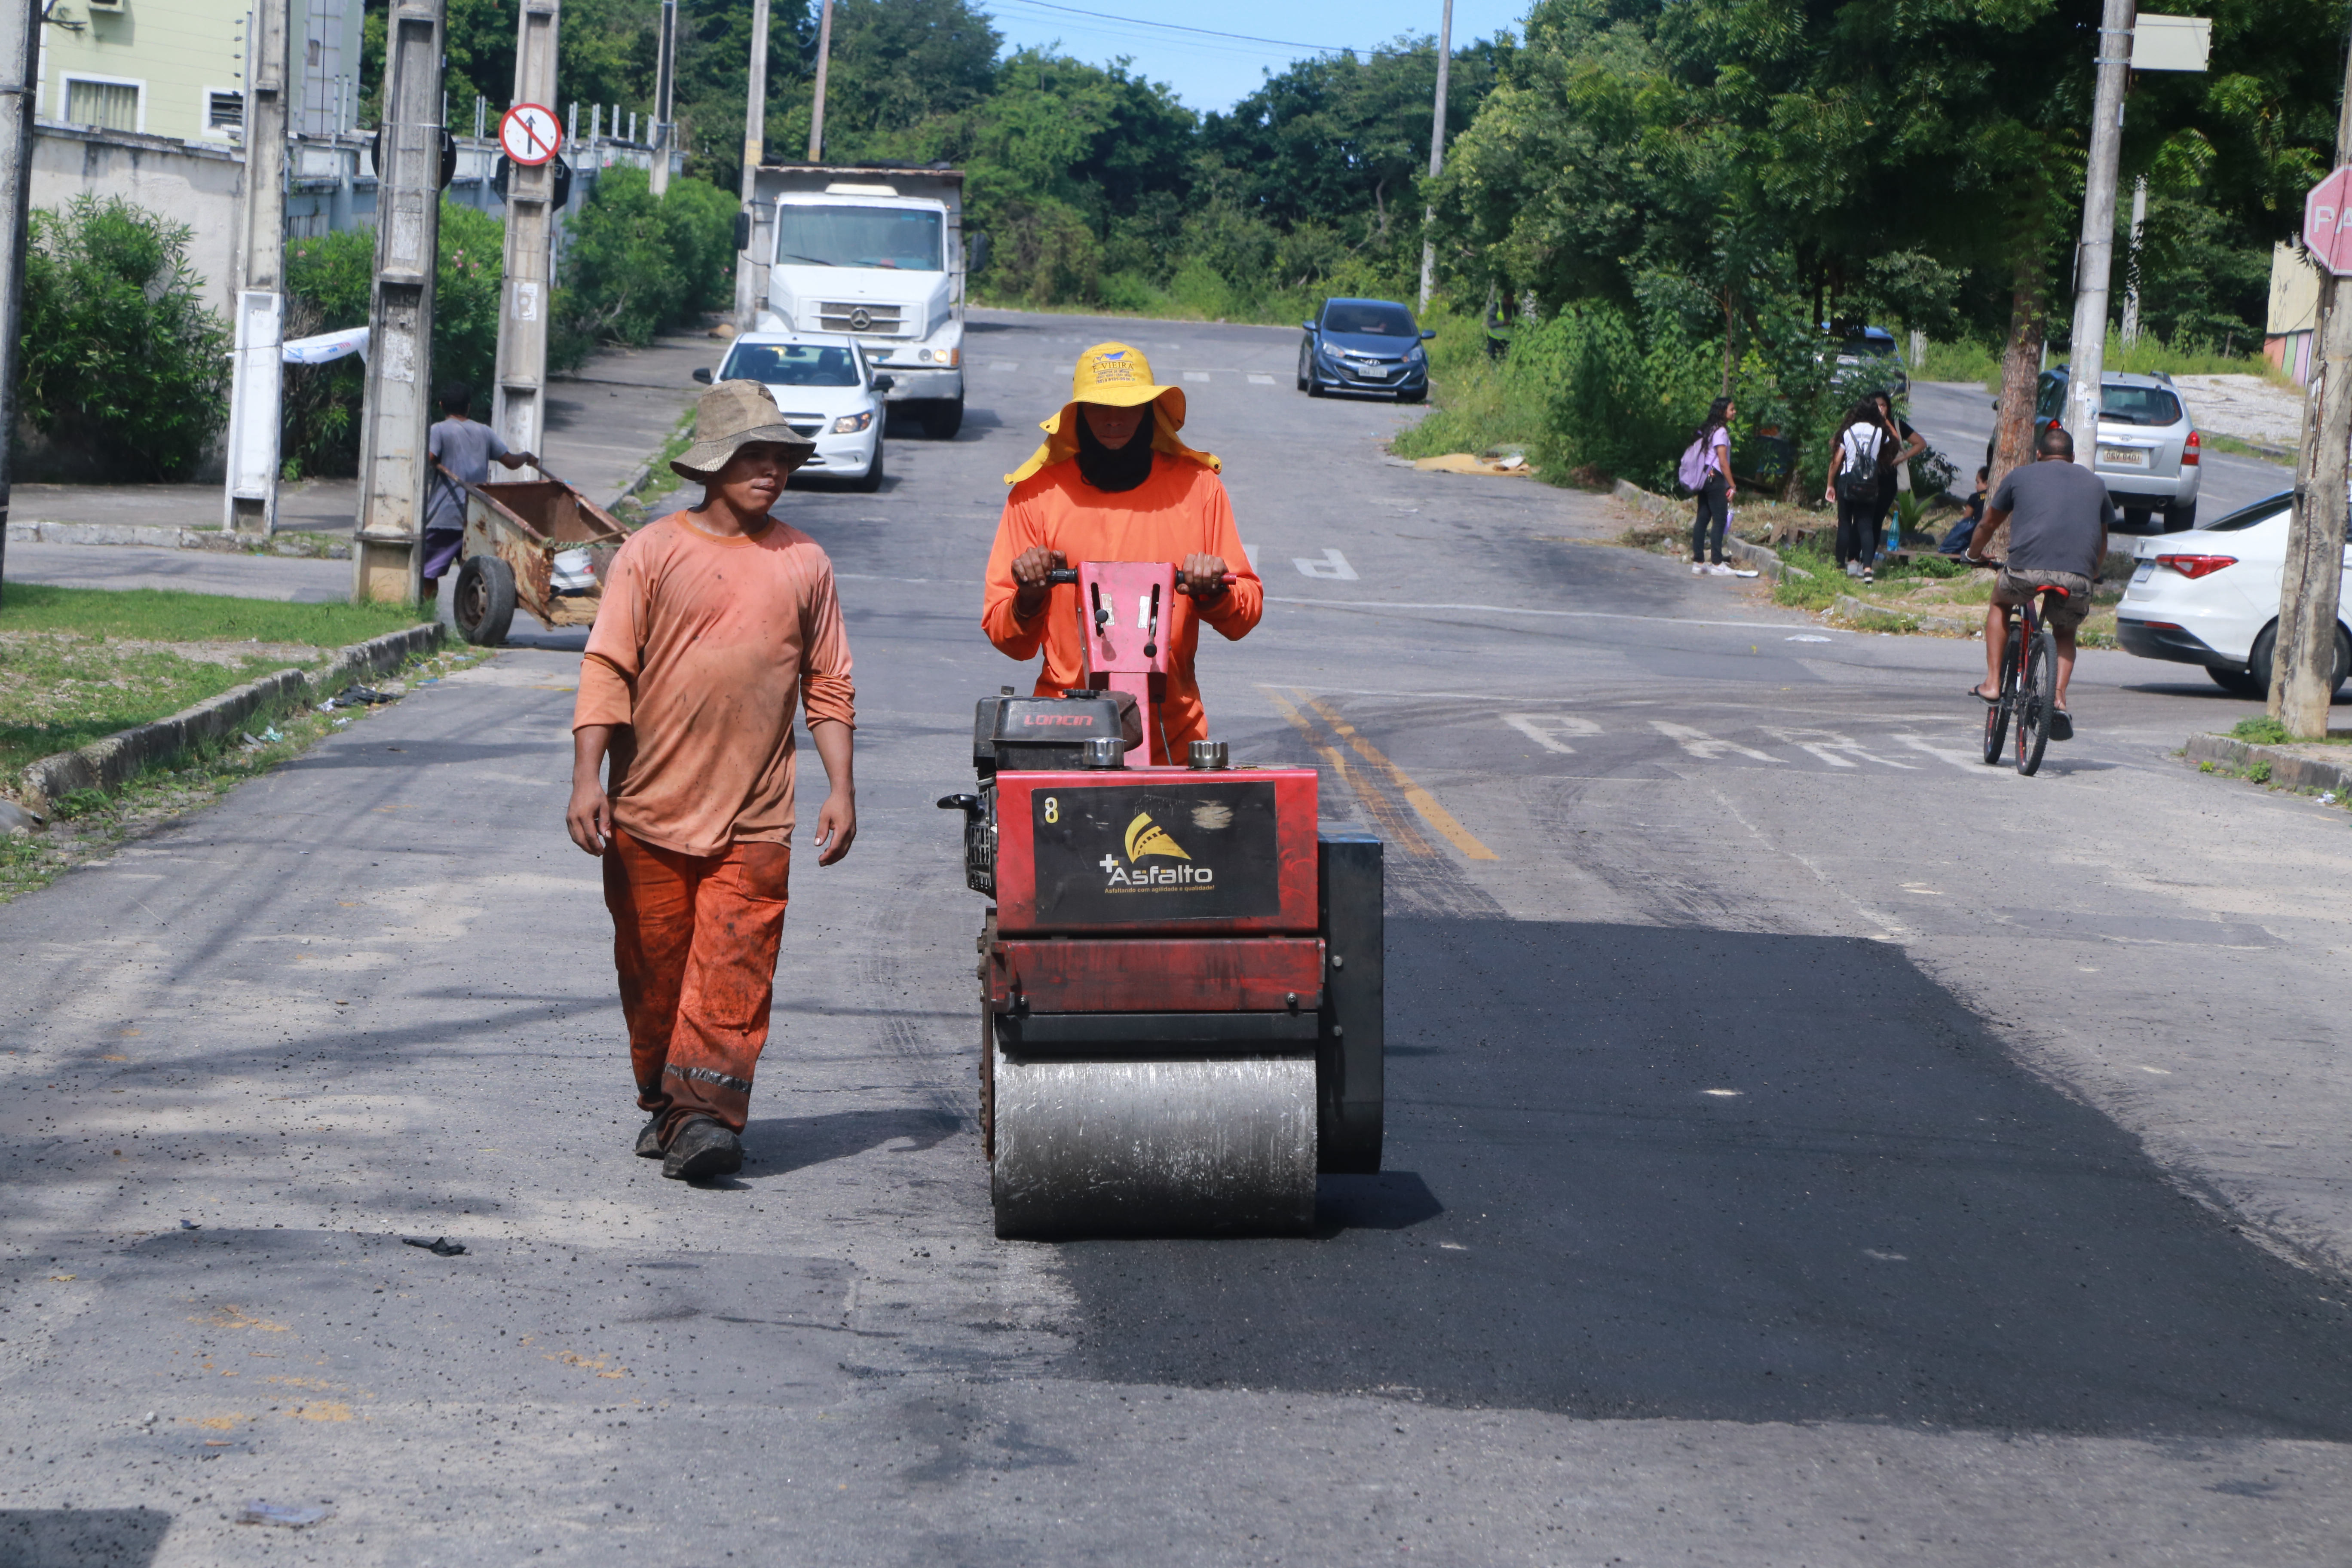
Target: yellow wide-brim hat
1117,375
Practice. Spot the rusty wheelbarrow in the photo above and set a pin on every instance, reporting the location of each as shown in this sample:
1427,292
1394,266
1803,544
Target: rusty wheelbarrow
535,545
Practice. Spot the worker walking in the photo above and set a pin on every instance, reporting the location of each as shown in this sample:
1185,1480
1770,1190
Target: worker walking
461,452
717,622
1112,482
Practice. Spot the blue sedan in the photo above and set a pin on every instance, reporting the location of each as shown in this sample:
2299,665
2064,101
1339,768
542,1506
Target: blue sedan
1364,345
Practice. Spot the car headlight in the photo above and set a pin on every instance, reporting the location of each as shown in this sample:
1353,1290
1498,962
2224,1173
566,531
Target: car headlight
851,424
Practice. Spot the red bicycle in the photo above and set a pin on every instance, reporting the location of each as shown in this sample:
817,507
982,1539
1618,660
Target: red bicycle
2029,681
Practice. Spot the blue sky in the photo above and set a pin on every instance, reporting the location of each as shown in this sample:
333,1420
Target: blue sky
1211,72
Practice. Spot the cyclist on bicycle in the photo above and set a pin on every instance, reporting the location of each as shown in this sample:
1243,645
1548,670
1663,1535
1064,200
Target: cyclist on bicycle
2058,515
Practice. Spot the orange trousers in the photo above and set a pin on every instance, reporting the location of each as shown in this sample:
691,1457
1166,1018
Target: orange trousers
694,938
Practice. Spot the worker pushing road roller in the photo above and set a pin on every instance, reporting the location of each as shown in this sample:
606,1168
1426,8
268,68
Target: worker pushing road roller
1180,975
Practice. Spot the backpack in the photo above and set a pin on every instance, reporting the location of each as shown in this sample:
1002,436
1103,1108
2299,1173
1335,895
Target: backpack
1859,479
1692,470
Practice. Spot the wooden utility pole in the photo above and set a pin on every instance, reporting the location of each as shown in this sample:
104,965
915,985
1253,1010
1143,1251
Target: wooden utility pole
665,91
518,410
2094,258
257,377
755,142
825,59
1436,150
20,56
386,557
2303,668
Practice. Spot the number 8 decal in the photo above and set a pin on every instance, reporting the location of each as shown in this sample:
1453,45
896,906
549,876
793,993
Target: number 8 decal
1052,809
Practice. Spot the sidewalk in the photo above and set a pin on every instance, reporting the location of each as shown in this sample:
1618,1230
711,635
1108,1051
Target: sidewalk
602,425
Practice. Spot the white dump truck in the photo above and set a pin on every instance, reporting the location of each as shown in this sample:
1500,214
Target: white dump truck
874,253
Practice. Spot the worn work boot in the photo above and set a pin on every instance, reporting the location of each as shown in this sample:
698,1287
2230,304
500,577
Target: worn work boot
649,1140
702,1148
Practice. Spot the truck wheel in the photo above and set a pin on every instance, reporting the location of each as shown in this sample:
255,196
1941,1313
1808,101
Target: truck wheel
941,420
871,479
484,605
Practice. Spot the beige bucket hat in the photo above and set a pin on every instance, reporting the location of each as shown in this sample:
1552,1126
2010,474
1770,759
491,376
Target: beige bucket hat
732,414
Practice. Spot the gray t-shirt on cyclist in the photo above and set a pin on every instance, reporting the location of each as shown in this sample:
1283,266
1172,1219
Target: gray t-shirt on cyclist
464,448
2057,511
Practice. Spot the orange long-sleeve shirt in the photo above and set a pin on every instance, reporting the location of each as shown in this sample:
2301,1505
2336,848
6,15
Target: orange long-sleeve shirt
1181,508
702,648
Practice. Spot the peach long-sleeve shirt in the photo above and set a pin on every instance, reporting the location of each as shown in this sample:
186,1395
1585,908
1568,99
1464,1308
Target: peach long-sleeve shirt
1181,508
702,650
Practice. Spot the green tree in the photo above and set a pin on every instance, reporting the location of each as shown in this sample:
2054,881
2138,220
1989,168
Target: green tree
638,263
121,361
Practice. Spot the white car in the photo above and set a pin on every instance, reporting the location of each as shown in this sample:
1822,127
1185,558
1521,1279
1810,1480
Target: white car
827,392
2210,596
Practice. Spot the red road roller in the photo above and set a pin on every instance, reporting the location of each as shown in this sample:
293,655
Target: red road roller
1180,974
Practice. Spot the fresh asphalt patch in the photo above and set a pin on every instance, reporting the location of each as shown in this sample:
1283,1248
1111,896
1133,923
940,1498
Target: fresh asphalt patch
1659,1172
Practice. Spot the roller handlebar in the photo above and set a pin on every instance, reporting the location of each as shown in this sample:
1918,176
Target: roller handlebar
1061,574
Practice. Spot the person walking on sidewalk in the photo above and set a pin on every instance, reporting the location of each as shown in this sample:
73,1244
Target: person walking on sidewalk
717,622
461,452
1902,444
1853,486
1714,490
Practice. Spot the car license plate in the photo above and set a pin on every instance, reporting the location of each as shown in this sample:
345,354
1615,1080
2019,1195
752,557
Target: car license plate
2143,572
2123,457
1378,370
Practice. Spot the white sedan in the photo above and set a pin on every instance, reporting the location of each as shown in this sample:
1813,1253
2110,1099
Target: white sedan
826,391
2210,596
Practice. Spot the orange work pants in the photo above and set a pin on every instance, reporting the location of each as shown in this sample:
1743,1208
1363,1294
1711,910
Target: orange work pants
694,938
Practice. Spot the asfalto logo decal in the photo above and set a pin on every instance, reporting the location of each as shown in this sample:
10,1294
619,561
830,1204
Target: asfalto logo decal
1146,840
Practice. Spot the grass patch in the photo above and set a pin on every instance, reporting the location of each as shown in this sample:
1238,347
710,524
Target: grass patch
1980,361
168,616
2231,444
664,480
2262,732
59,692
1476,404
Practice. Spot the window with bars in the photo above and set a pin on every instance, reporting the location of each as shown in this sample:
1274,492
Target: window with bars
109,105
225,111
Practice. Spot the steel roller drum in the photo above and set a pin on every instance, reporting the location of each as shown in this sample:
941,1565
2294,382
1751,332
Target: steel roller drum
1196,1146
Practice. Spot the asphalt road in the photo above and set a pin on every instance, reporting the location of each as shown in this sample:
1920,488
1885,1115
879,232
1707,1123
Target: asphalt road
1806,1144
1957,418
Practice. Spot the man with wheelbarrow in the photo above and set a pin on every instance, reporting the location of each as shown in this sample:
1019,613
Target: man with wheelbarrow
717,622
1112,482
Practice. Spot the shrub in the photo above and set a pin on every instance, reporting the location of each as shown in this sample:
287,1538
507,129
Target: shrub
1616,404
2261,730
123,363
638,263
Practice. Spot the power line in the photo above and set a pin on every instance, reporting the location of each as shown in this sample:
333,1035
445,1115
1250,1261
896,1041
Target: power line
1213,33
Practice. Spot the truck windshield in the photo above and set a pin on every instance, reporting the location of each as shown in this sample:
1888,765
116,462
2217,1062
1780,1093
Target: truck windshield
791,365
894,238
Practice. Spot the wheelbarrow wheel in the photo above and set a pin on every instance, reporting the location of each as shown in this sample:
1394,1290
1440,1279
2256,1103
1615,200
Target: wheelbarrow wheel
485,605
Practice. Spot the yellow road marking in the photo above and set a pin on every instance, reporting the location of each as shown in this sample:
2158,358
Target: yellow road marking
1421,801
1399,828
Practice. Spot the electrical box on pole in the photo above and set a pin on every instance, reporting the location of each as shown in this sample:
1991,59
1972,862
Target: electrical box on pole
20,51
257,379
386,554
529,135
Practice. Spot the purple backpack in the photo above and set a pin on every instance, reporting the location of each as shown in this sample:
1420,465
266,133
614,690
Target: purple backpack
1692,471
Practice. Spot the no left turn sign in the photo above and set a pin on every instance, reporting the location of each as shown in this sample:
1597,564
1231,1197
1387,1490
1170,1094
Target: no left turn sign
528,134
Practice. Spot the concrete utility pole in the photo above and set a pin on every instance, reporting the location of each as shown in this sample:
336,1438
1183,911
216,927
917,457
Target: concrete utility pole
518,410
755,142
2095,259
20,57
825,59
2131,267
398,407
2303,667
257,377
665,90
1436,148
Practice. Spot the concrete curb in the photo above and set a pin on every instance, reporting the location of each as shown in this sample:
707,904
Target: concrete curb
2288,771
32,531
1766,562
113,761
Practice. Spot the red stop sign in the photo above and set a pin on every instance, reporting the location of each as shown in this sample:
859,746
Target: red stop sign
2327,222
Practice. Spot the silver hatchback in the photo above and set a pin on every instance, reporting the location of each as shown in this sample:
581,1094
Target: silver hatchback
2149,454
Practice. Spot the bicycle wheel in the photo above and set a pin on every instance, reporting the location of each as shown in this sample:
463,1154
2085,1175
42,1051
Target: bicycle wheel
2037,699
1997,711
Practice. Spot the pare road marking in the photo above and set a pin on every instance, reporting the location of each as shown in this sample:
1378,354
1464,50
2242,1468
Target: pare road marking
1704,746
1332,568
1545,728
1838,751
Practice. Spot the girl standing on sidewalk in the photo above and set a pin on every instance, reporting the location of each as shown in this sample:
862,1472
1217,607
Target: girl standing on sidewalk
1853,486
1715,490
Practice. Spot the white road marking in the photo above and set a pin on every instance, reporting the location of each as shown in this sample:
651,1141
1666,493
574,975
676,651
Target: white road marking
1333,567
1196,375
1704,746
1826,744
1516,610
1004,364
1885,1256
1251,551
1807,639
1722,1093
1257,380
1545,728
1967,762
2161,1072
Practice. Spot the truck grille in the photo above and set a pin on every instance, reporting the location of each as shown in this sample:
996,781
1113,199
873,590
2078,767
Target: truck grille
870,320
